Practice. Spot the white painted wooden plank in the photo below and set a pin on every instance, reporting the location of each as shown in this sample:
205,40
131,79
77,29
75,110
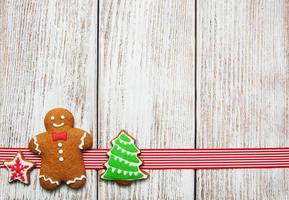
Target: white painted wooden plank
147,87
243,95
48,59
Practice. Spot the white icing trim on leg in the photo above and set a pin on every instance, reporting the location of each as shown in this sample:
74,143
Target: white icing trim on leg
82,140
36,145
49,179
76,179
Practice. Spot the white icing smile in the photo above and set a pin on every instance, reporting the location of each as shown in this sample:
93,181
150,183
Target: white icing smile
58,125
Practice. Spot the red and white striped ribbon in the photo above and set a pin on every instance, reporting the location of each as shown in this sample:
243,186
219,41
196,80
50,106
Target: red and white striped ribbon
165,159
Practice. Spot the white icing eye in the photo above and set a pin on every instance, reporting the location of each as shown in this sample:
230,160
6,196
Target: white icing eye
62,117
52,118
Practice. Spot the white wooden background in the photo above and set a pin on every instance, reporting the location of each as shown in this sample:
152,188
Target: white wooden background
167,71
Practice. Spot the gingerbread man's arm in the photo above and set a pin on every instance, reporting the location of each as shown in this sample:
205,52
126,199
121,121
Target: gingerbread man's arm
34,146
85,141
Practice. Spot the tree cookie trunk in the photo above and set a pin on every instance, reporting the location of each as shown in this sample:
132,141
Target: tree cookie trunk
124,183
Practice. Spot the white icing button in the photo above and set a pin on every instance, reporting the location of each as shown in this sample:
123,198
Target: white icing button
52,118
60,144
61,159
60,151
62,117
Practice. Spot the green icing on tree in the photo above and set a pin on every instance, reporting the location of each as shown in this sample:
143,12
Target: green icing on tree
123,163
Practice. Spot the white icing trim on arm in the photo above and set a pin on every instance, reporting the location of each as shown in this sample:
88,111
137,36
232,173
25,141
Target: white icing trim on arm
82,140
76,179
36,145
49,179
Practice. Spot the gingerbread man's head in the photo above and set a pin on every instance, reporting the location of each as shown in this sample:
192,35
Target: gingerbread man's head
58,119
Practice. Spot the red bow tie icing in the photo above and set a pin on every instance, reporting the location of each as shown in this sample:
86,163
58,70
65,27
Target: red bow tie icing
59,136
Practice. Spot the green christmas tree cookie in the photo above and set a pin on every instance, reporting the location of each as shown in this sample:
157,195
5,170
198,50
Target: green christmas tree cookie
123,163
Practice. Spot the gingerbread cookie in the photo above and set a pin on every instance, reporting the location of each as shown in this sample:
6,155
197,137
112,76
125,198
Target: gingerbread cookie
123,164
61,149
19,169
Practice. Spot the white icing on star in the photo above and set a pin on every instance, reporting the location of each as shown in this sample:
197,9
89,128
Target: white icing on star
24,172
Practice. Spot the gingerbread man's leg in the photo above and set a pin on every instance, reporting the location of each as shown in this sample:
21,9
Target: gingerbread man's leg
48,183
76,177
48,178
76,182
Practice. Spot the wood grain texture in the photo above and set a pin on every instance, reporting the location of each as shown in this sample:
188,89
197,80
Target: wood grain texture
243,86
146,82
48,59
146,86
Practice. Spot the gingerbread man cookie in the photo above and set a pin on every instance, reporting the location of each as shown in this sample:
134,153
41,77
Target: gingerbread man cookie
61,149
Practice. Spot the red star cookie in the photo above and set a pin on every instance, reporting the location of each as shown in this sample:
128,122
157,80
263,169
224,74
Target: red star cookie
19,169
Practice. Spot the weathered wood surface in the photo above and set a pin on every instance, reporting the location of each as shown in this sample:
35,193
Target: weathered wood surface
146,86
243,85
47,59
144,82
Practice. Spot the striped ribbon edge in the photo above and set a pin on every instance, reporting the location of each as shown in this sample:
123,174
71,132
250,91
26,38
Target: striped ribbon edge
179,158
